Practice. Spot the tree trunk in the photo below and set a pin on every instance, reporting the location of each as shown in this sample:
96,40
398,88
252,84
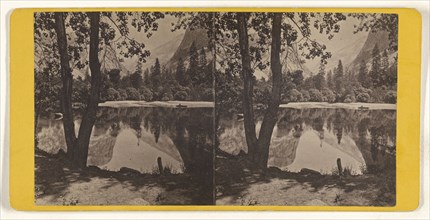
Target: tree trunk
66,90
215,120
271,115
258,149
89,116
36,119
248,85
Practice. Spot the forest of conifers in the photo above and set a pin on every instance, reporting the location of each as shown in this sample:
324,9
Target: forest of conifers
374,84
239,44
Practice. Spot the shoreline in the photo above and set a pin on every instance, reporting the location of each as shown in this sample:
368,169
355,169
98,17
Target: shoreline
165,104
355,105
206,104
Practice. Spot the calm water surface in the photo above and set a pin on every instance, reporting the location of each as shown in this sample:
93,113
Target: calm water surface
136,137
308,138
315,138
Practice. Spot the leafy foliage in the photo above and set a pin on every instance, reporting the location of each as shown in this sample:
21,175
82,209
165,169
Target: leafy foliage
47,88
132,93
377,22
192,76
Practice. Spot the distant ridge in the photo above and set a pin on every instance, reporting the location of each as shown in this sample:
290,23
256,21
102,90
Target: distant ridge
380,38
200,39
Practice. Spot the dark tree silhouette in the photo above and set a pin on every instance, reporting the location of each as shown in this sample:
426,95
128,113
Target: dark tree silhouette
77,145
376,67
362,75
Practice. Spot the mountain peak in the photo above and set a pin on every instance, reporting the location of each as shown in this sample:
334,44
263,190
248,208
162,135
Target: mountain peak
198,36
375,37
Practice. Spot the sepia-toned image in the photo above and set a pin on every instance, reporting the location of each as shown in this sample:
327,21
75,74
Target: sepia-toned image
215,108
306,110
124,110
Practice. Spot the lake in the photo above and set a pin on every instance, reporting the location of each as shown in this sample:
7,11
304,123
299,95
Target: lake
315,138
136,137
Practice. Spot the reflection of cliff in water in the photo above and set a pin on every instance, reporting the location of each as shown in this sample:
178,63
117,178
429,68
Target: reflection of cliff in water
284,146
315,138
184,135
135,137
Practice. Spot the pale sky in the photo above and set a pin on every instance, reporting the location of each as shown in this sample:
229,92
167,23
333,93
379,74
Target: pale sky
344,45
341,45
162,36
159,37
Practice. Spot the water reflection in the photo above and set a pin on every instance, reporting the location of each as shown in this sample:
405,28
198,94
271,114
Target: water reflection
315,138
136,137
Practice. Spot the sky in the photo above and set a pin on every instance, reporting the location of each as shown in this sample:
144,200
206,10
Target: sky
159,37
163,43
344,45
162,37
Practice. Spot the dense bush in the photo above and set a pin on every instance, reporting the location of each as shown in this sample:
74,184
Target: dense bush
229,93
112,95
262,94
81,90
315,95
305,96
328,95
146,94
181,95
207,94
132,94
46,94
122,94
363,97
362,94
349,98
391,97
377,95
293,96
167,97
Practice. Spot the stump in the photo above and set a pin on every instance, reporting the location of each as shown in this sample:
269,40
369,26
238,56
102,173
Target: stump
160,166
339,167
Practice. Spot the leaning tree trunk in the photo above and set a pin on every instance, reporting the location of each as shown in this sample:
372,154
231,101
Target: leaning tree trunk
89,116
66,90
248,85
271,115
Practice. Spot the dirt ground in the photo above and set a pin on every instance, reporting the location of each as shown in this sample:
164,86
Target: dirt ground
238,185
58,183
